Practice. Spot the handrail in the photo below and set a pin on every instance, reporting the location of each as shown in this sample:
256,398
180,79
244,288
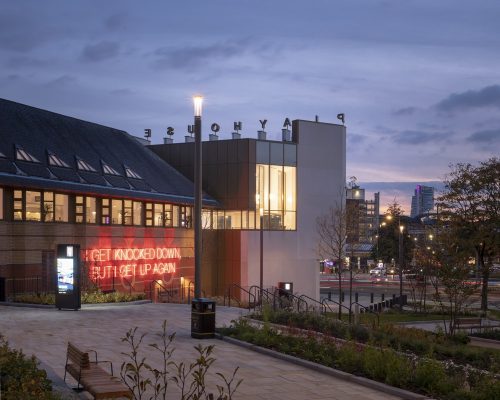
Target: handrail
159,284
228,290
130,286
371,311
288,295
340,305
257,294
313,300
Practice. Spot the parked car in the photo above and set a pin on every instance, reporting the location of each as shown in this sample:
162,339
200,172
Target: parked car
377,271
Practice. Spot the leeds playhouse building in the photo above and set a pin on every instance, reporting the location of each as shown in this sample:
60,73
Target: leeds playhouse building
129,205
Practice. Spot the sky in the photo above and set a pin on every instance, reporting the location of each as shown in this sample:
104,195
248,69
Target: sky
417,80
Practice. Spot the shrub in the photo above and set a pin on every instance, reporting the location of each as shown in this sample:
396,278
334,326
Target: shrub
430,376
349,358
20,377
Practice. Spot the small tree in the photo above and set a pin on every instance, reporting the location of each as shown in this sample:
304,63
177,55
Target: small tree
452,287
333,229
470,209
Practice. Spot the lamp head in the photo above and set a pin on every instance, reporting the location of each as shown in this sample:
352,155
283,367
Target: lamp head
197,102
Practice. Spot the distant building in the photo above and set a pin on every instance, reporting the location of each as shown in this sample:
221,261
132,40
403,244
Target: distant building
365,220
422,201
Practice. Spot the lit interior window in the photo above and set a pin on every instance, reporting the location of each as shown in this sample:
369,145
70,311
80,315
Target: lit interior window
84,166
56,161
109,170
131,173
23,155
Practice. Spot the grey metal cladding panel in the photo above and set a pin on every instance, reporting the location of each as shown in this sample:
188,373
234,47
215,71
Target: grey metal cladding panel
117,181
252,185
92,177
187,155
232,151
252,151
65,174
243,150
7,166
221,184
34,169
222,151
210,153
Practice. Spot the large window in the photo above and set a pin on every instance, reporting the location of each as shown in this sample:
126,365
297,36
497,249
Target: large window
116,212
61,208
18,205
105,212
33,206
276,196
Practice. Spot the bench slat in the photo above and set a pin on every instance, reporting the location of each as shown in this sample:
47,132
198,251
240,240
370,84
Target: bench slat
95,380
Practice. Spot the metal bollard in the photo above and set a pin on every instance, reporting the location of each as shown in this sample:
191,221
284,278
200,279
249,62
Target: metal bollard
356,297
383,296
329,296
371,297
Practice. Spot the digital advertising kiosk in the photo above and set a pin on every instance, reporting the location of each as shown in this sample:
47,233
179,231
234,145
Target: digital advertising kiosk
68,277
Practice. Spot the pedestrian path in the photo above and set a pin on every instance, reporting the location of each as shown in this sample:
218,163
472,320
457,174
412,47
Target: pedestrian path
45,332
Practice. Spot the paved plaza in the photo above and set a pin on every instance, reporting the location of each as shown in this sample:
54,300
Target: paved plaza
45,332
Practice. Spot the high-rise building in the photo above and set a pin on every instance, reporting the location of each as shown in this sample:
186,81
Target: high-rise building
365,215
422,201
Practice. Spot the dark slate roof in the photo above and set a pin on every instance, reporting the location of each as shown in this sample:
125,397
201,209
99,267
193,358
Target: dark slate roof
40,132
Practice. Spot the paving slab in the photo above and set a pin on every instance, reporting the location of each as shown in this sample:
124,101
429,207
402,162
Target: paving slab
45,333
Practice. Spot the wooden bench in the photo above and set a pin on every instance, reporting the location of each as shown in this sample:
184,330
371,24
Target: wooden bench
91,377
469,323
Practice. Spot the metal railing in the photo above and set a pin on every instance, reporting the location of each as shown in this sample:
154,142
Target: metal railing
368,310
130,285
251,297
326,301
34,285
154,283
314,301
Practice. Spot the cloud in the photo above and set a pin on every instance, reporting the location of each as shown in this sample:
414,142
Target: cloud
101,51
116,22
487,136
354,138
19,33
488,96
62,81
195,56
420,137
405,111
16,62
121,92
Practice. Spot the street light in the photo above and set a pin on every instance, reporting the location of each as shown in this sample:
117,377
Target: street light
197,102
261,251
401,229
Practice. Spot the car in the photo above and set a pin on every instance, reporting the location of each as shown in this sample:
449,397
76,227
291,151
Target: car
377,271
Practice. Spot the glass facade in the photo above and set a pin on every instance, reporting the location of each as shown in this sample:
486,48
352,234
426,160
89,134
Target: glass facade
275,186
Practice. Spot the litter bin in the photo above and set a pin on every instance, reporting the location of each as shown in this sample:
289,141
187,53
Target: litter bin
202,319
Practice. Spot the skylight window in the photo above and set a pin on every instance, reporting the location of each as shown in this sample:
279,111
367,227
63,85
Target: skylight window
84,165
109,170
23,155
131,173
56,161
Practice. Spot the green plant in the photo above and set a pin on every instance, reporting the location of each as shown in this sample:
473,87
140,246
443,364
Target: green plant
142,379
20,377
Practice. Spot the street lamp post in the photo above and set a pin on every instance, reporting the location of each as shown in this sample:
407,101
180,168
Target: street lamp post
261,252
198,101
401,228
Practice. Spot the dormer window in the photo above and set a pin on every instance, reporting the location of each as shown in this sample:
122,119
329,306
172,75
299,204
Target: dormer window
56,161
109,170
84,165
131,173
23,155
